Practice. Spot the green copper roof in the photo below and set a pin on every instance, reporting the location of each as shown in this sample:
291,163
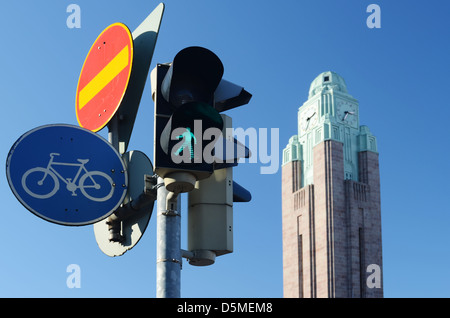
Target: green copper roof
367,141
327,80
330,113
293,150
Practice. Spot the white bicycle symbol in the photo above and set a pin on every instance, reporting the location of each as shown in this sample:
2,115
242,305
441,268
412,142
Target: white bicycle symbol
33,174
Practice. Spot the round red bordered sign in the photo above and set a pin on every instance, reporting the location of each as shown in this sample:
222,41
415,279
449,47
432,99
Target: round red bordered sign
104,77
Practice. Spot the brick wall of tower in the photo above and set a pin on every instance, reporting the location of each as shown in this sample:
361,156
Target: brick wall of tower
332,228
304,209
290,177
330,219
357,204
298,234
369,173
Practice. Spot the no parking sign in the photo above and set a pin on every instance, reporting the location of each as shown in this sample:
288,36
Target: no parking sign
104,77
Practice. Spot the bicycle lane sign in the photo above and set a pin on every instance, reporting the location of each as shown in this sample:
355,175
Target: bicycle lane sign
66,174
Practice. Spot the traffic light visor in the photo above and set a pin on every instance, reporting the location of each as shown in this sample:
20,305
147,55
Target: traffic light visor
194,75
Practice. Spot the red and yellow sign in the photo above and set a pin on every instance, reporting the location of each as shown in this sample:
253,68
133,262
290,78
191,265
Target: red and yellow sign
104,77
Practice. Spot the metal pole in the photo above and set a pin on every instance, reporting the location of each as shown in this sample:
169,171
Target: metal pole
113,132
114,226
168,246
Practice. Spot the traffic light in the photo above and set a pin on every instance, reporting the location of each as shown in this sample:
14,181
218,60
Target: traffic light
184,111
193,139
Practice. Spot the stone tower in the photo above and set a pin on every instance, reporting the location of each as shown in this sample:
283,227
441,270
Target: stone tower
331,199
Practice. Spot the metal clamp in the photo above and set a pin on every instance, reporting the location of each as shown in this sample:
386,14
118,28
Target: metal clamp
115,231
170,213
173,260
151,186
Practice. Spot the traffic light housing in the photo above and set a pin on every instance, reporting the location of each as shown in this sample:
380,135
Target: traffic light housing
189,93
210,212
184,110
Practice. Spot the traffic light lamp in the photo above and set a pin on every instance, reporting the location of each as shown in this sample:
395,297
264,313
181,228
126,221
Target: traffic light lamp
184,99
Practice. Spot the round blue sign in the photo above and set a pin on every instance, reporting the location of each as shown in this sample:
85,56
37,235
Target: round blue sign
66,174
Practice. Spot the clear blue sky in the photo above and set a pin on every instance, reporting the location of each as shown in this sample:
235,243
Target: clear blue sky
399,74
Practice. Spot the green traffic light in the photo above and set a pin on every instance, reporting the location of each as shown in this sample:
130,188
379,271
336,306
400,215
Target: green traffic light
188,137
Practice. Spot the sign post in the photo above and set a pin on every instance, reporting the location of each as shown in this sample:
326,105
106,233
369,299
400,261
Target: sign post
168,245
